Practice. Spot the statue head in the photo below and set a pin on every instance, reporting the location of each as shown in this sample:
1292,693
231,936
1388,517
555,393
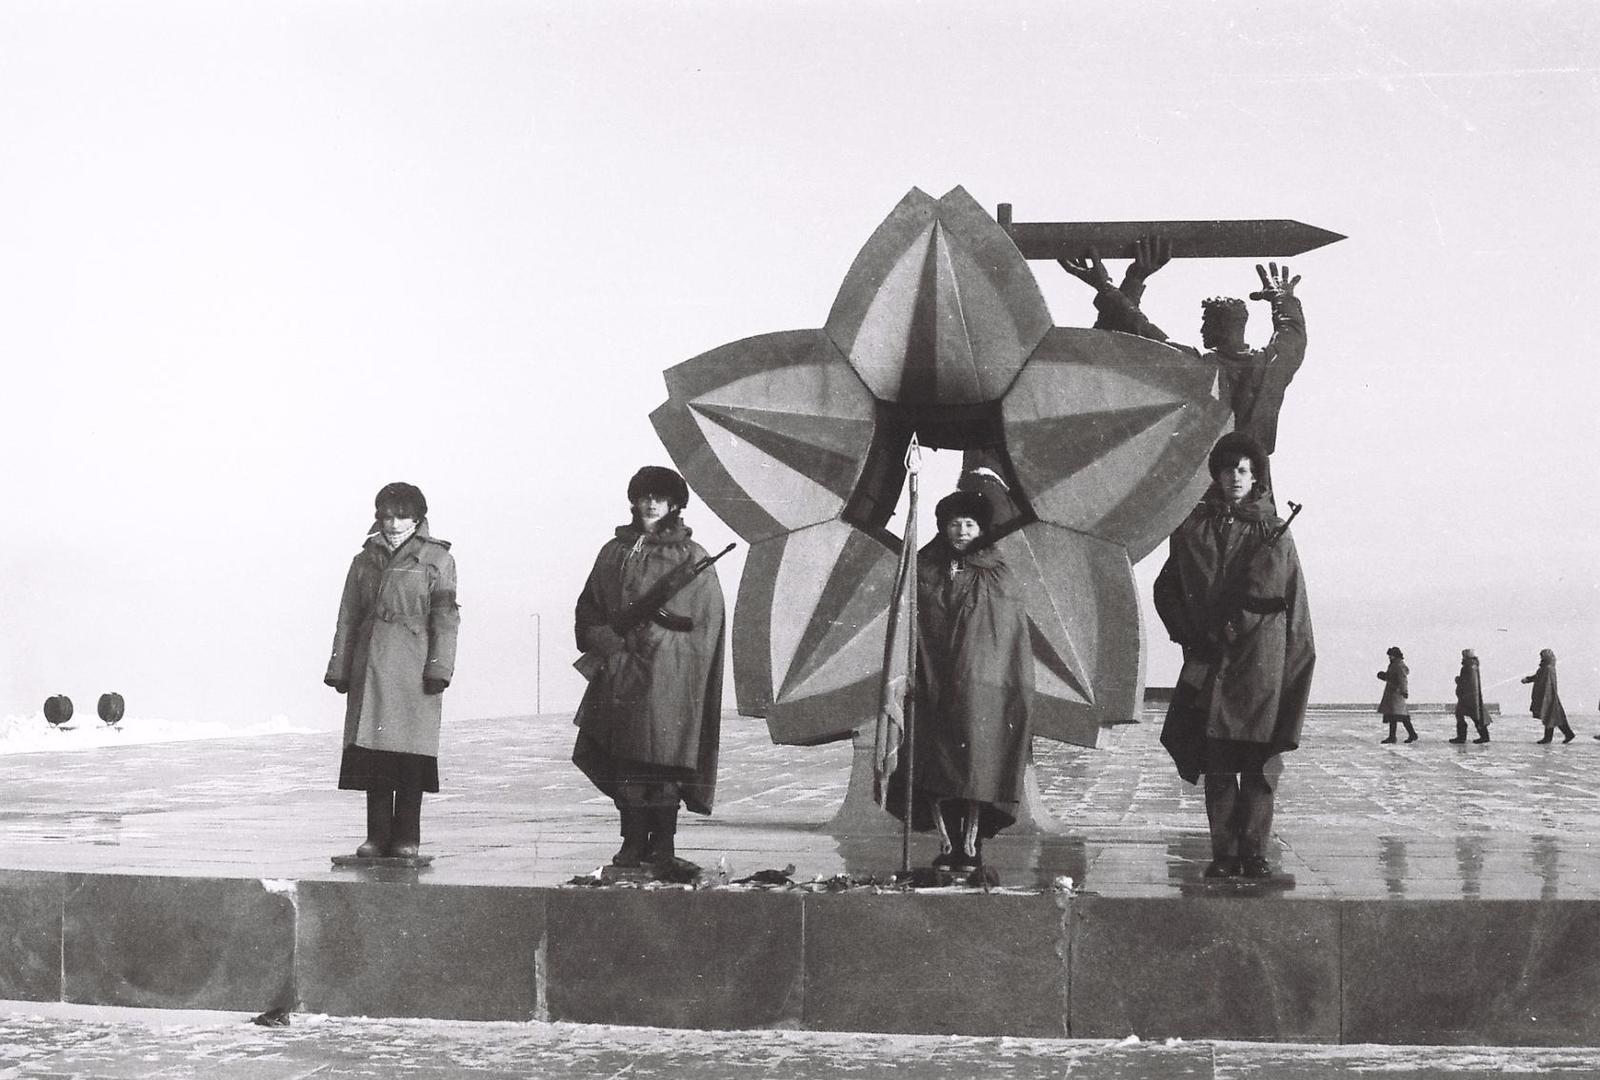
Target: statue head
1222,321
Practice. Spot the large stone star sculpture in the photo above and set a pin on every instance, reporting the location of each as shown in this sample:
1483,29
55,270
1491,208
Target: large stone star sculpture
796,439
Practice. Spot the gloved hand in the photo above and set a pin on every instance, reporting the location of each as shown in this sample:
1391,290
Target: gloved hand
340,685
604,640
431,685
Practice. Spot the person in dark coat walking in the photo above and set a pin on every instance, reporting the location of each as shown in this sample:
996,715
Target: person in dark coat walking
1393,706
394,652
1469,700
974,691
1231,595
1546,704
649,726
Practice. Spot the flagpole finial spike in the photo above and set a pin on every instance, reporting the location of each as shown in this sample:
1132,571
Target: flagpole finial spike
914,455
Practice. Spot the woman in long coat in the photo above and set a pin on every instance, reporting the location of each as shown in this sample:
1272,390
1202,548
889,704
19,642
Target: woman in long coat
1469,700
650,723
1546,704
394,652
1231,595
974,692
1393,706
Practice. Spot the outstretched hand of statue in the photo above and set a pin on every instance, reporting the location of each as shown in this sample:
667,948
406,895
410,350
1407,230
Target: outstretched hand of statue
1150,253
1275,284
1089,270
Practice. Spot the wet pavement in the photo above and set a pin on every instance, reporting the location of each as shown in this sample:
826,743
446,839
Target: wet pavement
1430,820
59,1042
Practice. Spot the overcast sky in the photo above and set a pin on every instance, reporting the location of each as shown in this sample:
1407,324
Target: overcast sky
259,259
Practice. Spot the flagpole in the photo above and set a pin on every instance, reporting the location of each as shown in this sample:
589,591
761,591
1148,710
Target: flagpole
913,466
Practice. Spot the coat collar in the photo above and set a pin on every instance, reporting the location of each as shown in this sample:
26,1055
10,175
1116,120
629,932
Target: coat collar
668,532
374,540
1254,507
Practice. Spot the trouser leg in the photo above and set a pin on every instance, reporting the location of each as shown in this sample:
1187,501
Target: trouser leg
1461,728
1253,821
1222,797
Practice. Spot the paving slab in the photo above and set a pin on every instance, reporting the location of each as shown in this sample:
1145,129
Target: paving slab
1356,820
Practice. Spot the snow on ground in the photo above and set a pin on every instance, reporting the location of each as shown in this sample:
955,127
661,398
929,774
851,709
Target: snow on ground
32,734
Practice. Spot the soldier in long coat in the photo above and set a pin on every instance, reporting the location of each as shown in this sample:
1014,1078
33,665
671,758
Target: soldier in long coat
394,652
650,723
1393,706
1231,595
1469,700
1546,704
974,691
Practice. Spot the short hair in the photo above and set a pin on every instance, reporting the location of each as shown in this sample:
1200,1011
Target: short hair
401,496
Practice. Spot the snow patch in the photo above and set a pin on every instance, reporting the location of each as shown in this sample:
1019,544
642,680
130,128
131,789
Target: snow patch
32,734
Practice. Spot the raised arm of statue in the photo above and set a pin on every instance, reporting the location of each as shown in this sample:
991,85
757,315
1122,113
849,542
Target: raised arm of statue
1118,309
1287,349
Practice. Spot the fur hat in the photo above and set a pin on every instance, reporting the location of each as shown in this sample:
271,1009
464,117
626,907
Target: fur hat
1394,651
1233,446
401,496
1468,654
1547,655
662,481
970,504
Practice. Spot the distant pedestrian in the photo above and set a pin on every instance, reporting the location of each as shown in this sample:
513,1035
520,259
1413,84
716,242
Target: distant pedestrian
1546,704
1469,700
394,652
1394,706
1231,594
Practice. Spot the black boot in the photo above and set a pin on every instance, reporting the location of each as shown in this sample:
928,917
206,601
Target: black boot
407,836
968,853
1549,733
1411,732
1392,726
635,833
380,825
1567,734
663,822
948,812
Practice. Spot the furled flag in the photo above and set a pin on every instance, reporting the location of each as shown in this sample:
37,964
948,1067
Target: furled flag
899,647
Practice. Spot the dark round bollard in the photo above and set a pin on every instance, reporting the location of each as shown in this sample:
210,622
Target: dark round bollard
110,708
58,709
